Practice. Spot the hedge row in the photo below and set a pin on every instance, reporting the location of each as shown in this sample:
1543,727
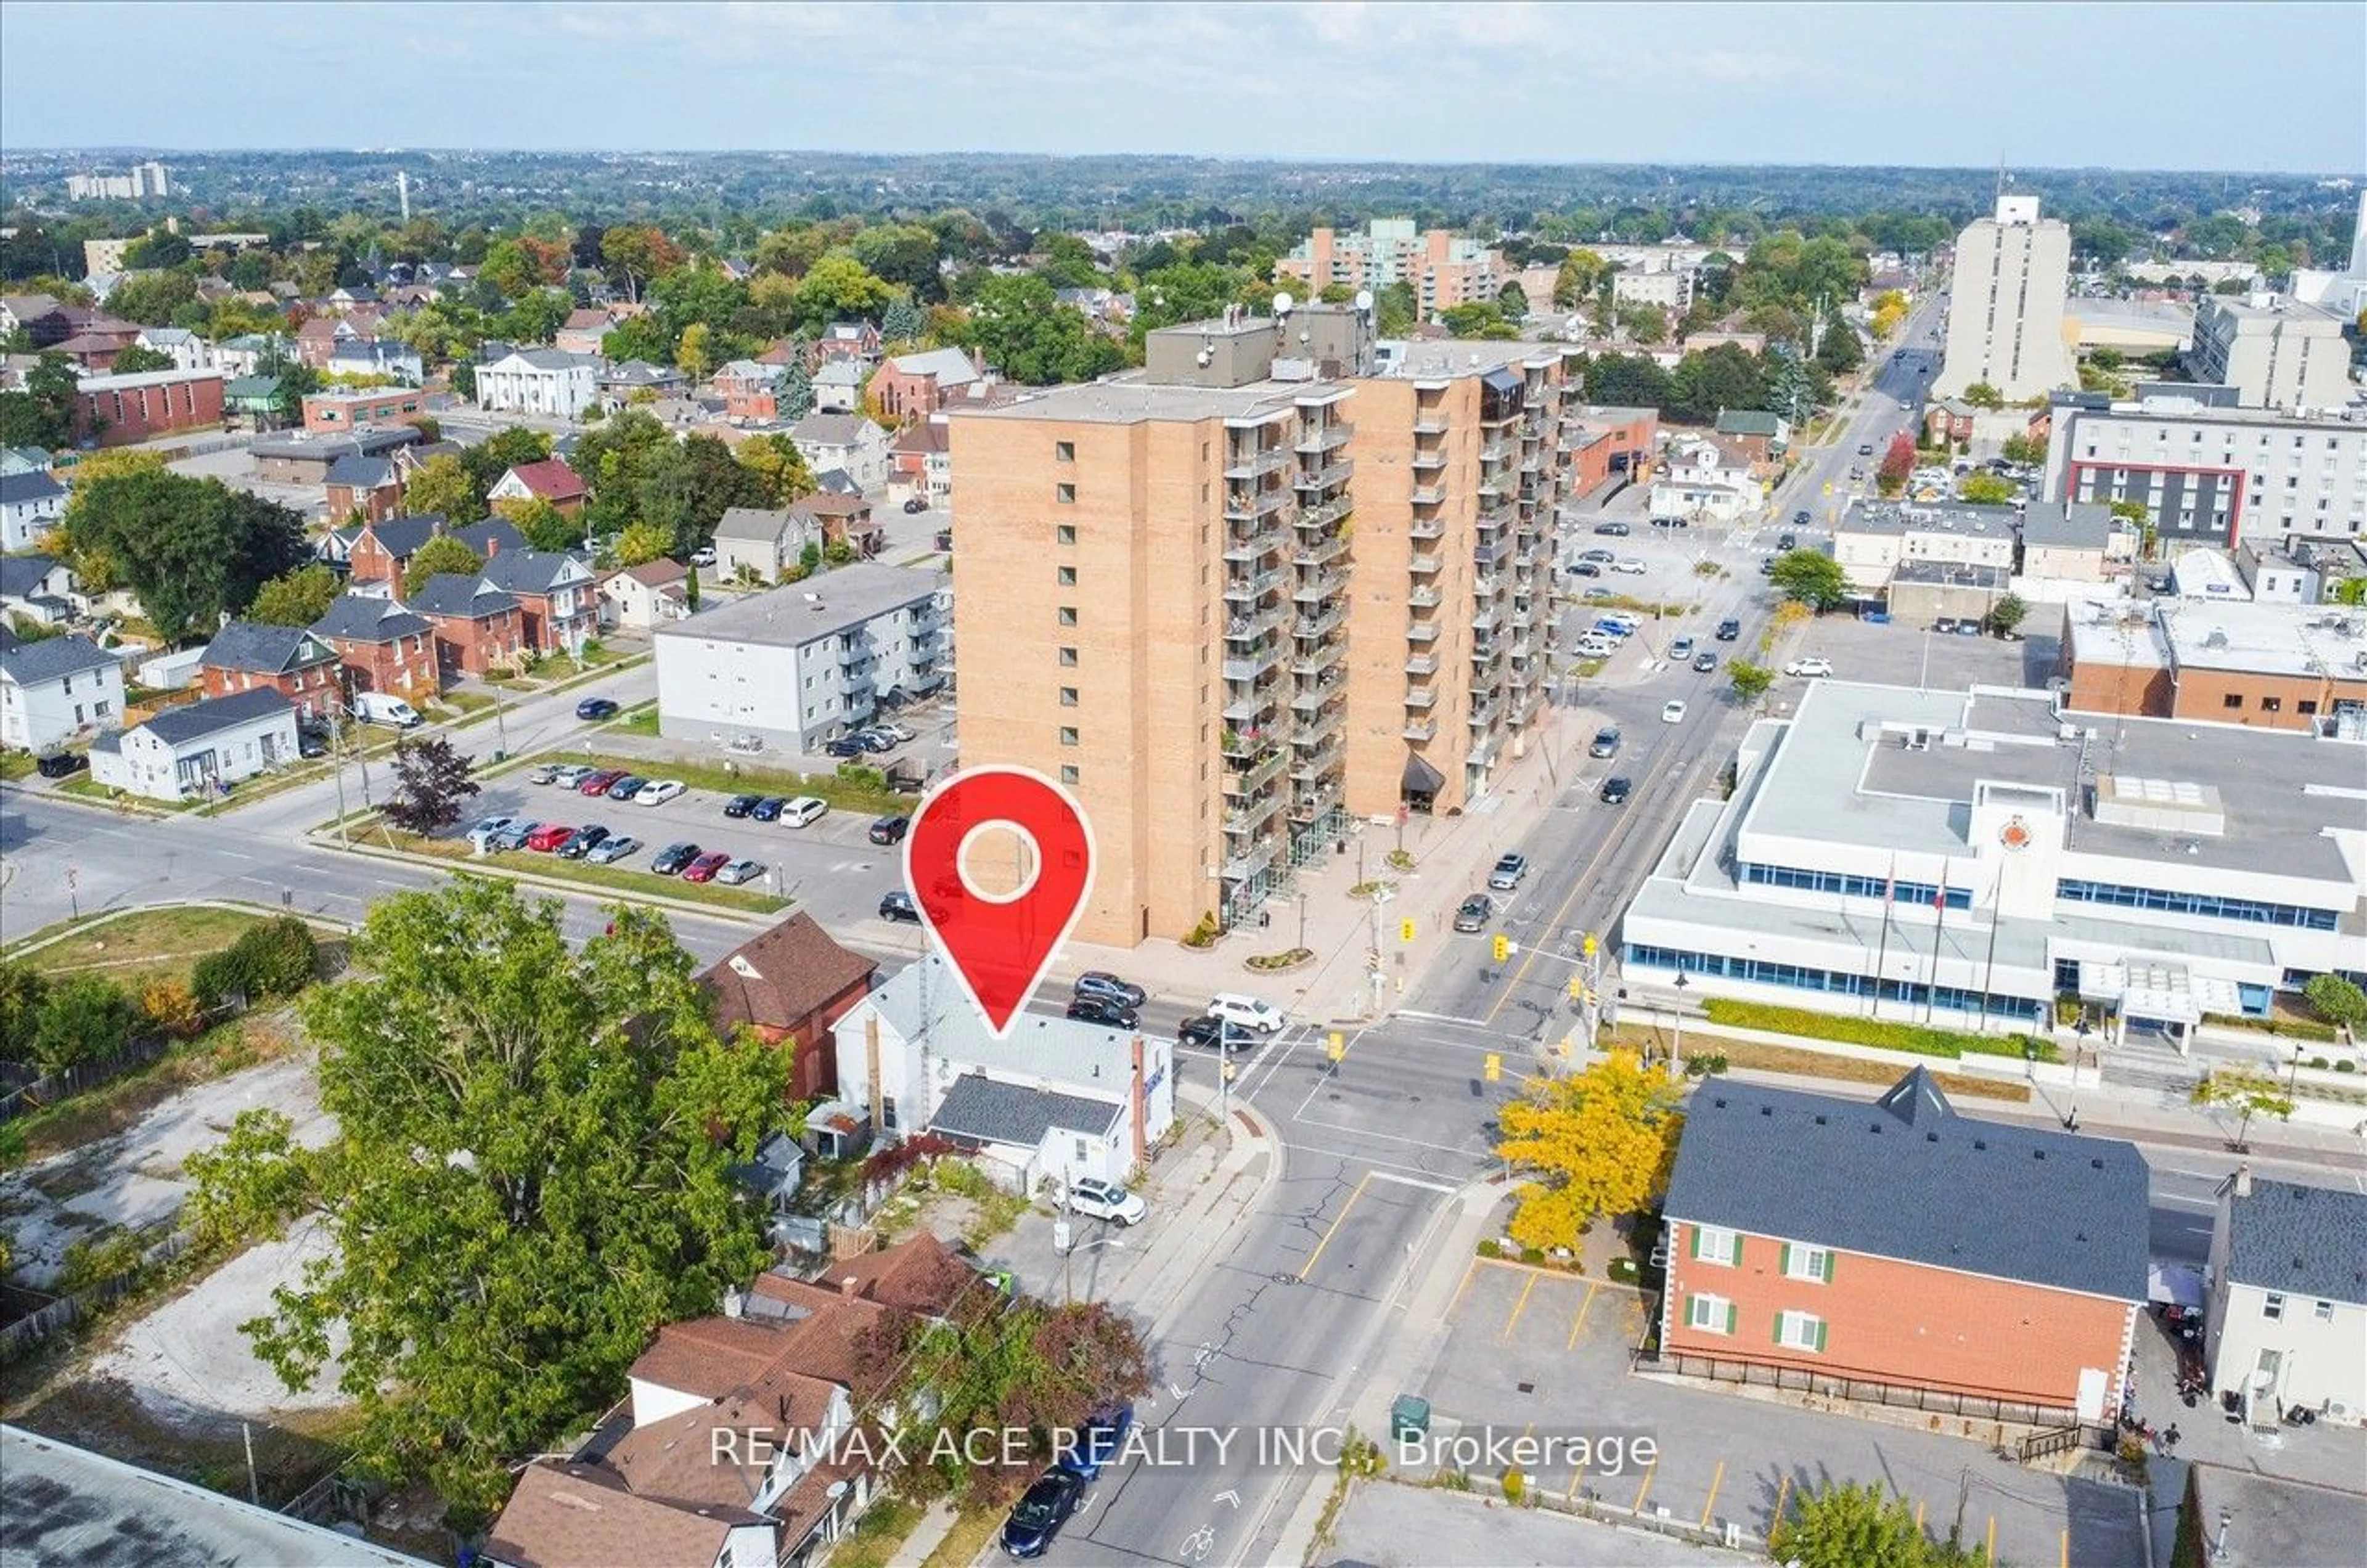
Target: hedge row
1915,1038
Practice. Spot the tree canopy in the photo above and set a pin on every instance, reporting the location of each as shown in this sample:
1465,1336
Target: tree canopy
296,598
530,1174
1810,578
192,549
1024,332
1600,1142
442,554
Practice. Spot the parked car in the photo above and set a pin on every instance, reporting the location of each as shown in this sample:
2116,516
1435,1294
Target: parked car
1810,667
595,707
377,707
548,837
566,776
800,810
897,905
1615,790
481,836
658,793
1585,569
1597,593
895,732
914,506
1036,1519
1681,649
1102,982
703,868
1704,661
1865,448
1629,565
629,787
1968,628
739,870
888,829
583,841
612,849
769,808
875,740
1103,1010
1099,1200
1248,1012
598,782
1201,1030
1728,629
673,857
543,774
1589,646
65,764
1946,624
1613,530
1509,869
843,747
1600,556
741,805
1474,913
1672,712
1100,1441
513,837
703,555
1605,743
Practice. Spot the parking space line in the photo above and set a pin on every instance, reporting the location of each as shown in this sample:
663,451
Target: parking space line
1470,1272
1715,1481
1518,1307
1576,1476
1647,1486
1578,1319
1333,1229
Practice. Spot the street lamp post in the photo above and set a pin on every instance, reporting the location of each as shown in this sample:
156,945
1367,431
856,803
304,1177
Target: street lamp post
1677,1040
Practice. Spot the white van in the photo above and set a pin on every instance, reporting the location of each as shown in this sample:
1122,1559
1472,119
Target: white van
377,707
803,809
1247,1012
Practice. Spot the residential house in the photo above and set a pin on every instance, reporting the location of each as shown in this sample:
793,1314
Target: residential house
251,401
2065,541
640,598
1835,1244
38,317
583,331
1761,437
382,646
920,462
198,748
299,664
843,340
31,503
791,985
539,382
838,386
560,611
2275,577
1054,1098
550,480
318,336
53,690
117,410
759,541
190,350
844,441
96,344
381,552
369,485
637,381
915,385
378,357
477,627
841,520
246,353
2286,1323
584,1516
1705,480
750,389
1949,421
40,588
24,460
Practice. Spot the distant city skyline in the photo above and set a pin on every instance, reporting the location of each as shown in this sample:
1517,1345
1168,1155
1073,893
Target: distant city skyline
1938,85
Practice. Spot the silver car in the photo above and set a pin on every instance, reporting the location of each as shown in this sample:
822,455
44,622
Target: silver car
608,850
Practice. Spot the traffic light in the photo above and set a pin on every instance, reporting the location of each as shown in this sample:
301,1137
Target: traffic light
1336,1047
1405,929
1589,946
1503,947
1495,1069
1576,989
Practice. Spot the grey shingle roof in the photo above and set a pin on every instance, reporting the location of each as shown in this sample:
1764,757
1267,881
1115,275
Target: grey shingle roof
209,715
23,575
757,524
2305,1241
263,649
359,472
829,429
33,663
528,571
1907,1178
2077,525
18,489
992,1112
357,617
459,593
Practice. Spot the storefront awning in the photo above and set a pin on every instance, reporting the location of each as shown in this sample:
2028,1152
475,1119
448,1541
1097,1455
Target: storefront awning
1421,778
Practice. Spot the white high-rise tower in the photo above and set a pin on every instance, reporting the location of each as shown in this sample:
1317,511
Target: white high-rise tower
2005,307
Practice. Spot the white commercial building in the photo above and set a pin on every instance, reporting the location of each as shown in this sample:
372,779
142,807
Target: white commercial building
2211,476
2005,306
796,667
200,748
1055,1097
540,380
1967,858
1702,483
2276,353
2287,1318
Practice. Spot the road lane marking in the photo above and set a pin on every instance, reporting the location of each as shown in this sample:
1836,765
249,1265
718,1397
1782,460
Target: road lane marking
1466,1151
1649,1469
1715,1481
1517,1308
1415,1181
1578,1320
1333,1229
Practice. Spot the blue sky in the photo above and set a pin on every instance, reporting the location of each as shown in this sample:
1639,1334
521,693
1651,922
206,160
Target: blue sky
2262,85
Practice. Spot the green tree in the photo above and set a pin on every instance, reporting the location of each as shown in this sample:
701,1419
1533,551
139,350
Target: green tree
1985,490
643,542
531,1173
441,554
442,487
545,526
140,357
192,549
1020,329
1581,274
838,287
1646,323
1624,381
83,1019
2249,1093
778,466
638,252
1843,1524
506,449
901,323
1600,1142
1810,578
694,355
2024,449
431,783
41,414
152,298
1512,303
1750,681
1477,318
2008,613
1841,350
1707,384
23,989
1981,395
795,398
1399,309
295,598
2338,1001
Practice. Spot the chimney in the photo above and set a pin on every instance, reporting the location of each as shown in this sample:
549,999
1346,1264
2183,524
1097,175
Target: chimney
2244,1179
735,1304
850,1287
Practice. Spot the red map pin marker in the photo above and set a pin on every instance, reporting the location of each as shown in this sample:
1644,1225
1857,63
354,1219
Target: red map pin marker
999,942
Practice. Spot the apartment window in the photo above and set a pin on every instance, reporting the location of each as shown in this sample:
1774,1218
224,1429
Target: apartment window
1799,1331
1068,577
1068,735
1713,1244
1808,1263
1068,614
2272,705
2232,700
1068,696
1064,451
2272,1306
1713,1315
100,709
1066,533
1068,657
2306,706
1068,772
1066,494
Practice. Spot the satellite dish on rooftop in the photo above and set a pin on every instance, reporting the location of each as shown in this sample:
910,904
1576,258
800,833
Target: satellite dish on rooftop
1365,301
1283,302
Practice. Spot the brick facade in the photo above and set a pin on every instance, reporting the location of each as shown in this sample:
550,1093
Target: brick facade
126,409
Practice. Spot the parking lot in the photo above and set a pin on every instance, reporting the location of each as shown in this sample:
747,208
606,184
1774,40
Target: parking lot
1906,654
1548,1356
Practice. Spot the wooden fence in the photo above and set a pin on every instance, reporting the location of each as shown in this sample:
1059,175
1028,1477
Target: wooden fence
67,1310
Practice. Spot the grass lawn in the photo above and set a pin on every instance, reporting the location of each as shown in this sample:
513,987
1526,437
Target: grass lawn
15,765
877,1536
973,1532
84,786
642,720
623,879
1812,1064
749,780
135,949
465,702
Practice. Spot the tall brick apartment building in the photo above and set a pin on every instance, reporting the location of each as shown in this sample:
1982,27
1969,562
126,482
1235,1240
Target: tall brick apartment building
1270,583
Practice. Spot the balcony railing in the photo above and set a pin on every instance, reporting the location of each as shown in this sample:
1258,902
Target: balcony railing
1257,465
1320,621
1421,698
1313,694
1253,812
1330,437
1318,582
1422,664
1420,729
1312,801
1255,625
1421,631
1430,421
1314,550
1324,478
1315,659
1252,543
1323,516
1247,780
1495,451
1426,458
1429,495
1251,504
1251,662
1242,866
1250,710
1250,587
1424,598
1424,565
1314,764
1430,527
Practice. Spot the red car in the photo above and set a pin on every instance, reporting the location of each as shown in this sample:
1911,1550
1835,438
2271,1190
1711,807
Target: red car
548,837
703,868
598,782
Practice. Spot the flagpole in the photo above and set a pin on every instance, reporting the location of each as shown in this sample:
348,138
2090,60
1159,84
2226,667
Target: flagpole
1939,926
1989,965
1882,952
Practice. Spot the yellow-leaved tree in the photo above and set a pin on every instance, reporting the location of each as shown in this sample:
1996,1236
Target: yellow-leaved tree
1595,1142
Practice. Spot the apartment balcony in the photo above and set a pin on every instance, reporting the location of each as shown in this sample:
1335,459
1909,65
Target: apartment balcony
1429,495
1245,544
1497,487
1316,549
1330,476
1423,598
1522,618
1315,764
1256,772
1311,801
1253,662
1422,665
1250,710
1250,587
1486,651
1528,705
1428,459
1431,527
1424,565
1317,658
1318,518
1313,694
1256,465
1248,863
1420,729
1421,631
1430,421
1320,724
1491,520
1421,699
1253,812
1320,621
1252,626
1252,505
1320,582
1484,715
1330,436
1495,451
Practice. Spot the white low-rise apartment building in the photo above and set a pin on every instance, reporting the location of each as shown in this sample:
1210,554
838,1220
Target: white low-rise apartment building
796,667
540,380
2287,1319
1968,858
2211,476
200,748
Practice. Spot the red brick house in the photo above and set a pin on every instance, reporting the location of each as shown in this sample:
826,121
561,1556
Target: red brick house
381,551
557,596
1608,442
477,627
789,984
843,519
1948,420
96,347
843,340
750,389
365,485
297,664
915,385
382,646
1836,1245
550,480
123,409
921,460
